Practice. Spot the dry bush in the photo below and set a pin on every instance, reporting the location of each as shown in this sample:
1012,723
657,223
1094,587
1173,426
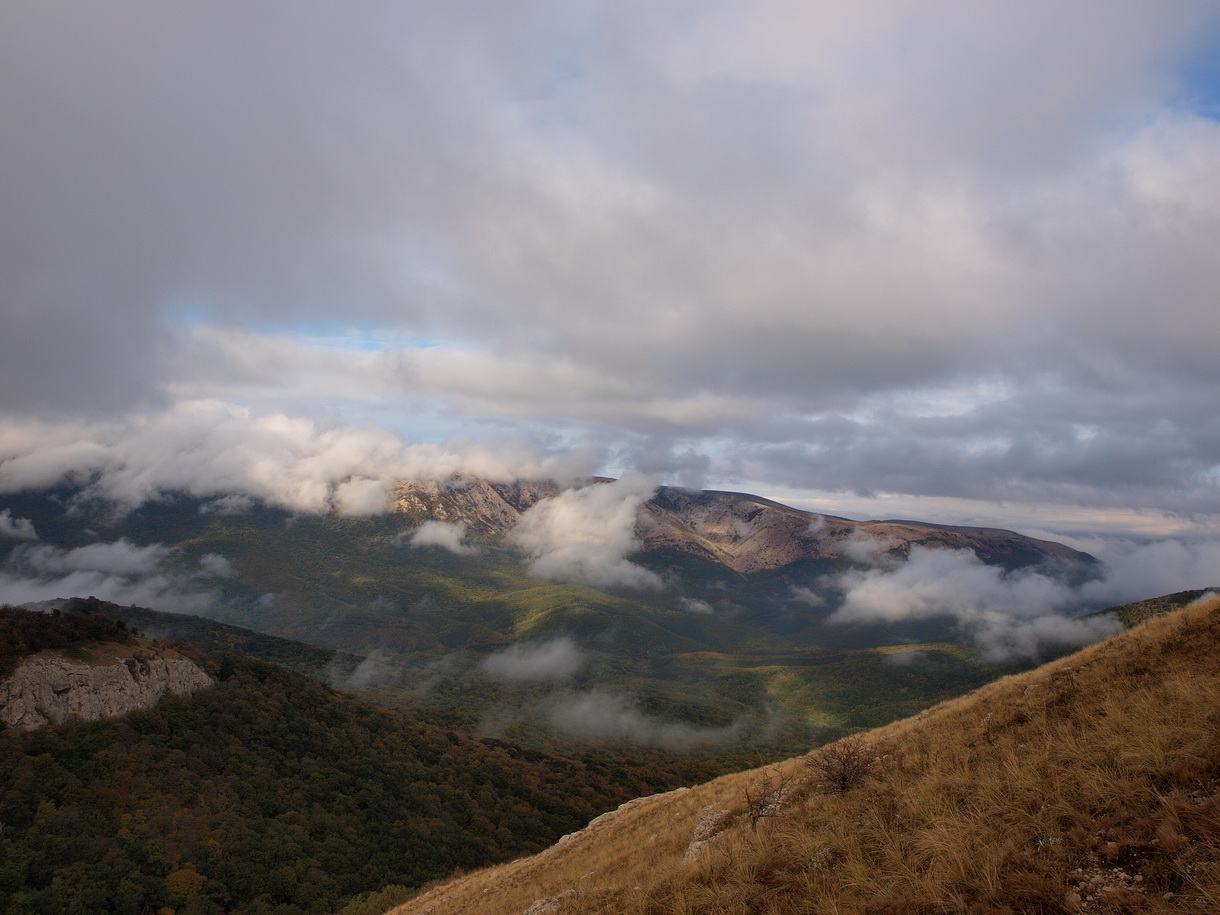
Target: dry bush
765,794
843,765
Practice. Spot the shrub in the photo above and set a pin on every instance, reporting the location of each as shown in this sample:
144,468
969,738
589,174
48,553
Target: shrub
843,765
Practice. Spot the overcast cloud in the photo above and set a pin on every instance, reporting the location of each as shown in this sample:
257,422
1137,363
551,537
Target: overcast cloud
951,255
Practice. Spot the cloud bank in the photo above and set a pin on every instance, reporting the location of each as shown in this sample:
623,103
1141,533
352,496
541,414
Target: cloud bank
16,528
207,448
1006,614
121,572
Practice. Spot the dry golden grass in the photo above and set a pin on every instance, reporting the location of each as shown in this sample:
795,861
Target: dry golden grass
1089,785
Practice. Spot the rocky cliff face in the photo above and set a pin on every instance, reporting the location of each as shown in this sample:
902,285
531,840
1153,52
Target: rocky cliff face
487,509
93,683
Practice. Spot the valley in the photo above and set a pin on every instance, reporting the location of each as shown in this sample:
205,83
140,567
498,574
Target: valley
734,647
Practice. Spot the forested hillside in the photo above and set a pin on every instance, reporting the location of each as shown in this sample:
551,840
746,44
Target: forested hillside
271,793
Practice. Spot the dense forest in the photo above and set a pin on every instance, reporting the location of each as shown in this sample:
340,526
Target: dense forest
272,794
24,633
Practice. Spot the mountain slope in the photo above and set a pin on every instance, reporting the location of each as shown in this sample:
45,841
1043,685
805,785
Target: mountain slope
1091,784
749,534
318,663
271,793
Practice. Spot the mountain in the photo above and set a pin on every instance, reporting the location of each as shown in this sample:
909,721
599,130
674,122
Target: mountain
489,509
749,534
1142,610
742,532
1090,784
318,663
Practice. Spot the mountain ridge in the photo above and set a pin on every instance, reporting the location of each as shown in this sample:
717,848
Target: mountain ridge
741,531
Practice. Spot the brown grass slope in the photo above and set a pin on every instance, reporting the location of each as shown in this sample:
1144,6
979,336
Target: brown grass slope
1091,784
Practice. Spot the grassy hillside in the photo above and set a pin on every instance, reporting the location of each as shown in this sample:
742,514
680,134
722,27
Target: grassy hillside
1091,784
1143,610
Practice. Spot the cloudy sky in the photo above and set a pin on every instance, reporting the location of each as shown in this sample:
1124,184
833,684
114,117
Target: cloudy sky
948,260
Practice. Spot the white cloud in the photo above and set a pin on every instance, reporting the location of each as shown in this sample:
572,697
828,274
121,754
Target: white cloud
227,505
448,535
377,668
16,528
1005,613
361,497
1139,571
555,659
121,557
867,550
603,714
694,605
120,572
803,595
206,448
585,535
216,565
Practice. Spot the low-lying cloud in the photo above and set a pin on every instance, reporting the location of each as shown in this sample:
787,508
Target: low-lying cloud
867,550
448,535
377,668
602,714
1006,614
1136,571
121,572
554,659
585,535
695,605
233,454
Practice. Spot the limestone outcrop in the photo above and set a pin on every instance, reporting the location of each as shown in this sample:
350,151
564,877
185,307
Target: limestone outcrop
54,686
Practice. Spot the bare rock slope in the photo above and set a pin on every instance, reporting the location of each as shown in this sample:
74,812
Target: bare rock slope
87,684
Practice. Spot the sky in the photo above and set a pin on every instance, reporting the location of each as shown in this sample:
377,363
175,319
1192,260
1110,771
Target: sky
943,260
